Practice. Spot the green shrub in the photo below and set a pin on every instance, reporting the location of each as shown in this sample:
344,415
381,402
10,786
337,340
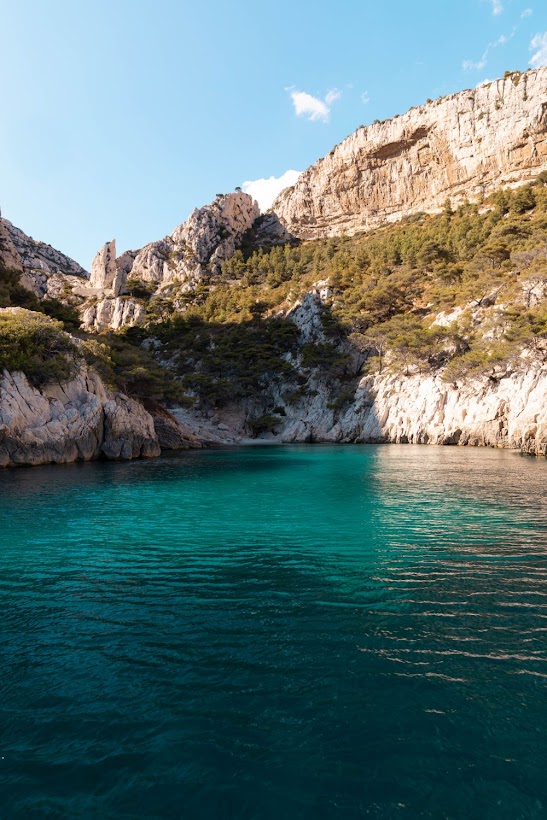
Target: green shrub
37,346
264,424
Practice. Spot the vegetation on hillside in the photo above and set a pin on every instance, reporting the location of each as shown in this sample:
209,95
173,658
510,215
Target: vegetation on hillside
37,345
483,266
13,294
387,287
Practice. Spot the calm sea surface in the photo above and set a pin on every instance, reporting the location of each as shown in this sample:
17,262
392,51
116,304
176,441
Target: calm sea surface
292,632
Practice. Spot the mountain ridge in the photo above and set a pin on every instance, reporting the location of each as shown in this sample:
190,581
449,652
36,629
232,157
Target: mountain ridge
459,147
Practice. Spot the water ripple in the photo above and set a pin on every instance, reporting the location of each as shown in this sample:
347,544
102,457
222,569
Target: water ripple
306,632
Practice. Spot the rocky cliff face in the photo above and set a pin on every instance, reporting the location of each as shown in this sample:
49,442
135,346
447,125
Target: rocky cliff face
105,273
112,313
210,235
510,413
37,261
81,420
193,252
460,147
78,420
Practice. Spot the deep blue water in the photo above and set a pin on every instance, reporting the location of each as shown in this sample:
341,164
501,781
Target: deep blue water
294,632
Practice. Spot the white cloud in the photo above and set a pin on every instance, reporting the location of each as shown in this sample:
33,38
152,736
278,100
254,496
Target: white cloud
332,96
497,7
305,105
365,98
266,190
539,45
469,65
527,13
478,65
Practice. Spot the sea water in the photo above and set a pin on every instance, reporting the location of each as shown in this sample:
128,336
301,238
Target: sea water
283,632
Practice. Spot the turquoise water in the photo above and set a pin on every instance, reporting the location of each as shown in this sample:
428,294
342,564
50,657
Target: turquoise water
294,632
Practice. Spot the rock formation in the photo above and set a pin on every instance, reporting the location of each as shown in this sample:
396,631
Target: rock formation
210,235
510,413
112,313
75,421
105,273
459,147
194,251
36,260
78,420
9,255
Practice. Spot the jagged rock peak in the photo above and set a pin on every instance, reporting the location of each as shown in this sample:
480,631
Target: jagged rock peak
459,147
198,246
105,273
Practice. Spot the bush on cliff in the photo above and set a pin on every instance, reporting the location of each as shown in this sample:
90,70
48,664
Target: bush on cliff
13,294
37,346
132,369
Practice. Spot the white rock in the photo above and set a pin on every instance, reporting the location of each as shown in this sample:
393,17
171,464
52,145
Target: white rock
458,147
105,273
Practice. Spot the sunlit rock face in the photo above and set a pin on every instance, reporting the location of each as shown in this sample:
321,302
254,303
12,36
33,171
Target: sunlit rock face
105,273
76,420
36,261
112,313
458,147
209,236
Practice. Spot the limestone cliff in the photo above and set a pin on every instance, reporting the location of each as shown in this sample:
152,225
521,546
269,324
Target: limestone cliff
210,235
37,261
459,147
191,253
78,417
510,413
78,420
505,410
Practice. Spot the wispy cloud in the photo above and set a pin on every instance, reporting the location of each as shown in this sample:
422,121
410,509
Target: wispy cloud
538,45
527,13
332,96
478,65
471,65
313,108
266,190
365,98
497,7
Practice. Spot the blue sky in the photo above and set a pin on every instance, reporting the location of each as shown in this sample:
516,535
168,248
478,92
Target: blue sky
118,118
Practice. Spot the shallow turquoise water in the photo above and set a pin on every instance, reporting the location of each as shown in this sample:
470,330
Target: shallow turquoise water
296,632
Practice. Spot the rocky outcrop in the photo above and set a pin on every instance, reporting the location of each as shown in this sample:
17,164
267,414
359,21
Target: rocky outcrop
78,420
197,247
171,433
35,260
509,413
307,313
9,255
459,147
193,252
112,314
105,273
